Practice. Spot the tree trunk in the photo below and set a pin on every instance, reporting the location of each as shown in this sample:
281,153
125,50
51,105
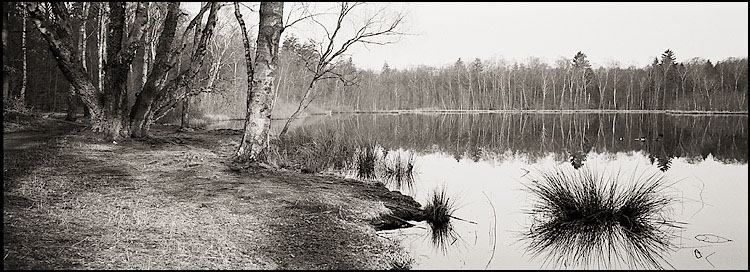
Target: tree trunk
72,98
22,95
143,54
119,59
185,116
145,99
260,89
59,39
102,45
106,108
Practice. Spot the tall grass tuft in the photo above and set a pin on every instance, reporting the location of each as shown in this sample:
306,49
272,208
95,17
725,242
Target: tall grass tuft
438,212
585,219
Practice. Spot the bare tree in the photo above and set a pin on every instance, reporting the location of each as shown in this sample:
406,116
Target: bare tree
371,31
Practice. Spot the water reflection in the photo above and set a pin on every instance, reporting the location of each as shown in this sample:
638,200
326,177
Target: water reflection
395,169
570,137
710,195
445,237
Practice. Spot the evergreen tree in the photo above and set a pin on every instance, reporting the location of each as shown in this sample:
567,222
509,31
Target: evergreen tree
580,61
668,68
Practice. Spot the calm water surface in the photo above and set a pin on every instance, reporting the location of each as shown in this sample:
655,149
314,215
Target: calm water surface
484,160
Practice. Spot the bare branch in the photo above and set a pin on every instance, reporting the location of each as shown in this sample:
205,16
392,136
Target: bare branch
374,26
305,10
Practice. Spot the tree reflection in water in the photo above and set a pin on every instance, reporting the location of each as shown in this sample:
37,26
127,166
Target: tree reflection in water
571,137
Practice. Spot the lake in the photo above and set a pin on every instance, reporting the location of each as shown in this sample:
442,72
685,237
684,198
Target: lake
486,161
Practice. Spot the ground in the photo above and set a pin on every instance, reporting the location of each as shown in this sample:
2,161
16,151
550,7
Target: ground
71,201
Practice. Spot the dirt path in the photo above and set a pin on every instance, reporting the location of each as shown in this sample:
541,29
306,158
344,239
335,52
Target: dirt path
171,203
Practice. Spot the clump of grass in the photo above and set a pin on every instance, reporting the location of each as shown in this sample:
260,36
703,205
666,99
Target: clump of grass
583,218
398,171
439,209
438,213
366,160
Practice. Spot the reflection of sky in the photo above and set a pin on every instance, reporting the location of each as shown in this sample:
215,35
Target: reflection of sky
723,212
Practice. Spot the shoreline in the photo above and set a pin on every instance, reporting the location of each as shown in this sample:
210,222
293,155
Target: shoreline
174,202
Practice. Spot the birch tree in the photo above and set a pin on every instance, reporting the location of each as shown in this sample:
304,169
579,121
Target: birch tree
261,76
6,67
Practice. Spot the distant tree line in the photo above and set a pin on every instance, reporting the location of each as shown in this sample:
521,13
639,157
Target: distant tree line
569,84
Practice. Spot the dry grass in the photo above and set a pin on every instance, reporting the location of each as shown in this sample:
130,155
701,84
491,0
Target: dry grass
317,152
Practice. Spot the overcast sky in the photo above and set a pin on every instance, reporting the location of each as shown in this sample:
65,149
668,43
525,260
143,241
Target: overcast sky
630,33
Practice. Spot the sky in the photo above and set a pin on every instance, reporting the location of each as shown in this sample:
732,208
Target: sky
630,33
439,33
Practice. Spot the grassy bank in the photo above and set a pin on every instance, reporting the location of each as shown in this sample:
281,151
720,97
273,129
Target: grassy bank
171,202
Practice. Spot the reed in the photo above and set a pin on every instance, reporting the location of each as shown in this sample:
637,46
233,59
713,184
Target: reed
398,171
367,158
